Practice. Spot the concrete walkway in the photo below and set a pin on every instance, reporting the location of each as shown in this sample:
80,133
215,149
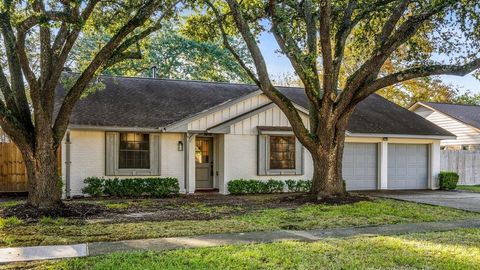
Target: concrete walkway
18,254
468,201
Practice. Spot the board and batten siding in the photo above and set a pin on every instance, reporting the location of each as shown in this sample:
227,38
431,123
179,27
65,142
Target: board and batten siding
229,112
273,117
87,157
465,133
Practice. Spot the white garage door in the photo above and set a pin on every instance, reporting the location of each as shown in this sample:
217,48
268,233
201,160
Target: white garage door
407,166
360,166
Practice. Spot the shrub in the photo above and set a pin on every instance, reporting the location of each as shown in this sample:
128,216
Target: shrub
298,185
448,180
162,187
132,187
252,186
93,186
274,186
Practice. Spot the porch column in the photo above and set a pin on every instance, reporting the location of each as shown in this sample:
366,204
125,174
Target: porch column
383,164
190,171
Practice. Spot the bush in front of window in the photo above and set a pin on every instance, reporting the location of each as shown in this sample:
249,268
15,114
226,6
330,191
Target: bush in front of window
93,186
253,186
131,187
448,180
274,186
298,185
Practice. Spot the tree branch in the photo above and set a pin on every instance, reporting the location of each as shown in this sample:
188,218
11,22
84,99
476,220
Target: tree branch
265,84
226,44
417,72
100,59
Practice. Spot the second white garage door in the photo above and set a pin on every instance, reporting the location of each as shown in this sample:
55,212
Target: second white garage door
360,166
407,166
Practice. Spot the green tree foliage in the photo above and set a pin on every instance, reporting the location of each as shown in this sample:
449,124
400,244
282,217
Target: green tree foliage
174,55
343,52
37,38
468,98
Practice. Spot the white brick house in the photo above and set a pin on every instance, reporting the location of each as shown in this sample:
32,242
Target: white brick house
206,134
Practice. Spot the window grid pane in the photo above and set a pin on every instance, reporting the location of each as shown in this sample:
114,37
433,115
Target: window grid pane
282,152
134,152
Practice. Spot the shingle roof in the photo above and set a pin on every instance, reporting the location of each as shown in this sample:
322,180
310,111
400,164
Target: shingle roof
468,114
154,103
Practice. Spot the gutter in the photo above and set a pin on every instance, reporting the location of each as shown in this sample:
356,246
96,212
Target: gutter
406,136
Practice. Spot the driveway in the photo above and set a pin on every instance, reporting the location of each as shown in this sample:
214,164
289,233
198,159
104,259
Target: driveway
461,200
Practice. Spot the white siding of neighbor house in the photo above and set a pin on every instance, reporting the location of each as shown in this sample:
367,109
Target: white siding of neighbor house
465,134
87,156
229,112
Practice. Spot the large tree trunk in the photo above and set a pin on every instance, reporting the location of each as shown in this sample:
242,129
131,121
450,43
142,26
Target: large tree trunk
44,183
327,159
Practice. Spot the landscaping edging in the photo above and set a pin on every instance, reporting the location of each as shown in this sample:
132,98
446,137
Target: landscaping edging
23,254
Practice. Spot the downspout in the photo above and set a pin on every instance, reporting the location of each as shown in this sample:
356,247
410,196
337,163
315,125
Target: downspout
185,159
67,165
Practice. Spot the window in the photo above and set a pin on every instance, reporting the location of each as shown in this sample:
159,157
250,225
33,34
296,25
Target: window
282,152
134,151
279,152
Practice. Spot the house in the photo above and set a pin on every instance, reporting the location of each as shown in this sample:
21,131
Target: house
206,134
461,120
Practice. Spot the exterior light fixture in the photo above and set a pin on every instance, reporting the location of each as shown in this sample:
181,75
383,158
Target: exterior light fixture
385,139
180,146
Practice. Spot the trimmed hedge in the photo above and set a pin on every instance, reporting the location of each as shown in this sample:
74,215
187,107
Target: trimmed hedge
131,187
448,180
252,186
298,185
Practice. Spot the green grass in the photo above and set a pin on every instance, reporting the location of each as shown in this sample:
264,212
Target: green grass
380,211
11,203
457,249
475,188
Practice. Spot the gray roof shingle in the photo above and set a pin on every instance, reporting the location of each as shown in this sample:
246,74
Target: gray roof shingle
154,103
468,114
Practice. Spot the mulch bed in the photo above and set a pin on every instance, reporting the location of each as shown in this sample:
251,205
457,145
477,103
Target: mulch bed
29,213
183,207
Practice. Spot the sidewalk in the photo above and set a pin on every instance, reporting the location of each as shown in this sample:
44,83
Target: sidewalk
19,254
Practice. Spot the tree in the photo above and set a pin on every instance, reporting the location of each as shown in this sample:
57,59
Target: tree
468,98
174,55
314,35
50,29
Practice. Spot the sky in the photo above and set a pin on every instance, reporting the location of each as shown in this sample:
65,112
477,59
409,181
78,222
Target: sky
279,65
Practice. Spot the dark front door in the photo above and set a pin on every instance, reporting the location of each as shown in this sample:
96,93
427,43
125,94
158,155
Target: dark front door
204,162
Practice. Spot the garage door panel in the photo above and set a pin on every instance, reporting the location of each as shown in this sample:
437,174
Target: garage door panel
407,166
360,166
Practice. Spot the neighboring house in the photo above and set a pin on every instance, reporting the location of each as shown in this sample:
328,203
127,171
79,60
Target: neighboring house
461,120
206,134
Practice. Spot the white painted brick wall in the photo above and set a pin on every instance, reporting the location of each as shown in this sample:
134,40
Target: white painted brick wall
241,160
88,157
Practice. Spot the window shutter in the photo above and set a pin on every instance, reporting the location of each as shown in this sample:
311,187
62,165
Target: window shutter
262,155
111,143
154,154
298,157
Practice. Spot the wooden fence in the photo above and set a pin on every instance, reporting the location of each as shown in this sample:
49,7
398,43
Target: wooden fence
13,175
465,163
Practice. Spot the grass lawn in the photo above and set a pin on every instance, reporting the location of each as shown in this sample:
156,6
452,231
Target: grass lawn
459,249
475,188
219,218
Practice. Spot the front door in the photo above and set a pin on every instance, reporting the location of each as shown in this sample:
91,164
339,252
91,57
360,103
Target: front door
204,162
